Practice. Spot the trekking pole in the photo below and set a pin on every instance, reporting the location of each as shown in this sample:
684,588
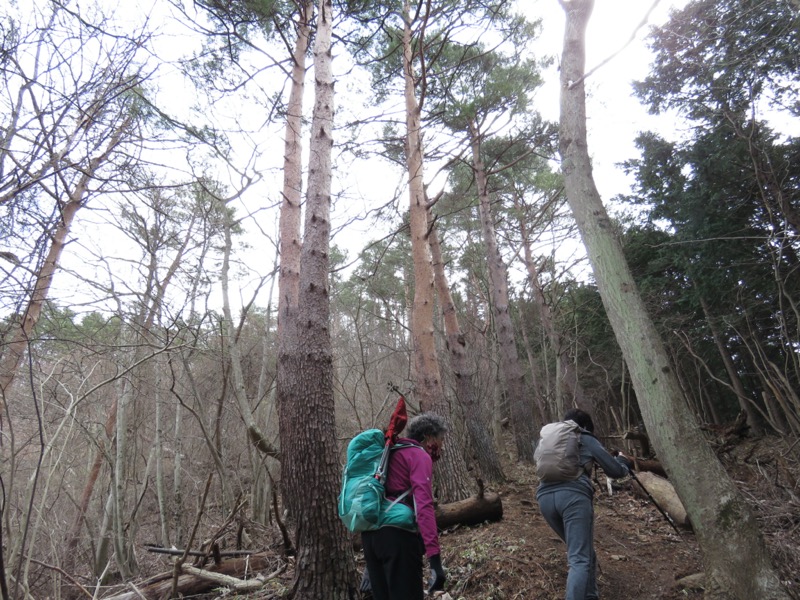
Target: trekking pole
653,500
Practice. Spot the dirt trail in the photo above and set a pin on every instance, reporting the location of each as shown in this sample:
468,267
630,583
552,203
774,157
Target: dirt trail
639,554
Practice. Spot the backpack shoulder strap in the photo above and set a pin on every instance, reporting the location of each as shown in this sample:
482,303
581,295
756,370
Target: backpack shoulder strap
589,466
402,445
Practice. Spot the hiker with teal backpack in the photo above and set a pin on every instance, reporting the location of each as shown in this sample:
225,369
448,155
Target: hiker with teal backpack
394,553
564,457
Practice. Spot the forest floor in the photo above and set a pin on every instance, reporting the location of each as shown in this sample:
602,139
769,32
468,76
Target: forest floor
640,555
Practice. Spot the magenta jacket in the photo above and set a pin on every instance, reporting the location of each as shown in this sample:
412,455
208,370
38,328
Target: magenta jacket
413,468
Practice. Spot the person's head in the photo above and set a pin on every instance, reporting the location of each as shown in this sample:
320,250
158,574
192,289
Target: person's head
582,418
428,429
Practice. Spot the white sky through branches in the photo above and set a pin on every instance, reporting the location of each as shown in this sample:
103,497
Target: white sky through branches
614,116
614,119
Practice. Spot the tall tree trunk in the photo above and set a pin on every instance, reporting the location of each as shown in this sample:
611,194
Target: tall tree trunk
520,405
736,561
289,224
290,217
324,568
14,351
475,413
428,388
567,375
290,214
451,473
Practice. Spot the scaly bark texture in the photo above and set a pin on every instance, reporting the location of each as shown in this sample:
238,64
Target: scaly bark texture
324,568
290,215
737,564
519,402
451,472
476,414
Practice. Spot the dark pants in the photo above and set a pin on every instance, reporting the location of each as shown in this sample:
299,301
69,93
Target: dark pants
394,562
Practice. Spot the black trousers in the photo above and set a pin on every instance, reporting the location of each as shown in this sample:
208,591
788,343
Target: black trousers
394,563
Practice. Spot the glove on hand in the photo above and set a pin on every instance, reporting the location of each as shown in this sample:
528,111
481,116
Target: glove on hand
438,577
625,462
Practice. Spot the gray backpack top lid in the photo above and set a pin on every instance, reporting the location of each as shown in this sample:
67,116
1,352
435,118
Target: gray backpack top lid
557,454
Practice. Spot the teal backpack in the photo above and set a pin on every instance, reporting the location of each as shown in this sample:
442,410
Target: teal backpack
362,500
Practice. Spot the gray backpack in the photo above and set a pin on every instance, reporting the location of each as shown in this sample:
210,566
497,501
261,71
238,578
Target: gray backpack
558,453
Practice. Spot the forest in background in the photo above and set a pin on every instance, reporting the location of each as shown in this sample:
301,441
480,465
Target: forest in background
156,388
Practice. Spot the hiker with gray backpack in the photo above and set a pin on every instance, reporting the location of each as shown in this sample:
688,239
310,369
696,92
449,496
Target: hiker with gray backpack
564,456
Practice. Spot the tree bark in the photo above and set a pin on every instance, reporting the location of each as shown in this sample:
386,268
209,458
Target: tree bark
451,472
475,413
290,214
428,387
290,225
736,560
520,405
325,567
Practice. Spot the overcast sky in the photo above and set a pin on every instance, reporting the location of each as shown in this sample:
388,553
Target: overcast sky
614,116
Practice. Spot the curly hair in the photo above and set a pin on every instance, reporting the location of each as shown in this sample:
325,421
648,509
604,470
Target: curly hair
426,424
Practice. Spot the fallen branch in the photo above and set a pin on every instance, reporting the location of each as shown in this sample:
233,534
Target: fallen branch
178,552
194,581
233,583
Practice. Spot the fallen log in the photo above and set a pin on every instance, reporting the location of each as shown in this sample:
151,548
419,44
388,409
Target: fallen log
198,581
476,509
664,494
652,466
